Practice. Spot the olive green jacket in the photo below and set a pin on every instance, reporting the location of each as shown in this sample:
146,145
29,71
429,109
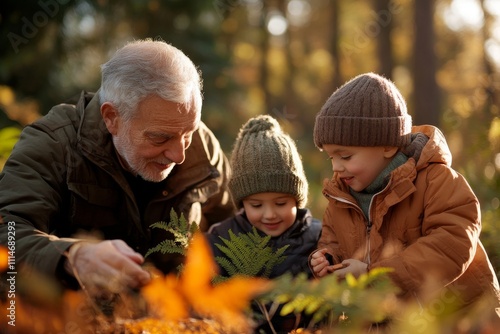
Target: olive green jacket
63,177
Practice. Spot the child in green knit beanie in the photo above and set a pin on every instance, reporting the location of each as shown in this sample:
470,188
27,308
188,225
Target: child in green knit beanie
269,186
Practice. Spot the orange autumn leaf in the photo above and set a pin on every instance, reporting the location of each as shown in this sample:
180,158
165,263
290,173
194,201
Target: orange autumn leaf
173,302
225,302
4,258
165,299
34,319
71,314
238,291
199,268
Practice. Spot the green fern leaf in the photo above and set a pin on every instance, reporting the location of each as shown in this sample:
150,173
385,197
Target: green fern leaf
249,254
181,232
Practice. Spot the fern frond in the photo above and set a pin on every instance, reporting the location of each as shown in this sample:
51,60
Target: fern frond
181,232
166,247
249,254
226,264
232,250
161,225
229,265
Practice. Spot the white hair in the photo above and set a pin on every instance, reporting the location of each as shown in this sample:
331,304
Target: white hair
146,67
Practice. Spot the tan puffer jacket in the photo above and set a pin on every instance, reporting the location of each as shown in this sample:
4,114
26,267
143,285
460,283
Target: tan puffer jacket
425,224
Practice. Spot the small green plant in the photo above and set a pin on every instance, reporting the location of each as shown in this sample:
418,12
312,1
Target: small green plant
182,232
353,302
249,254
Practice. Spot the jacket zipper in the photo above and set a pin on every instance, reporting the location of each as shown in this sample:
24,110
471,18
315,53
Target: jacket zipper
369,223
368,243
368,226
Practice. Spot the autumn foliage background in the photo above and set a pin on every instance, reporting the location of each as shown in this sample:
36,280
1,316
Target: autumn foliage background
192,303
277,57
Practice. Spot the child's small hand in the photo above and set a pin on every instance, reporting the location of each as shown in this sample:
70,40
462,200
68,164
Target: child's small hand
352,266
319,264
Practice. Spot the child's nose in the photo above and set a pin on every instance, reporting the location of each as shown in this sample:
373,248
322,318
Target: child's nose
337,166
269,213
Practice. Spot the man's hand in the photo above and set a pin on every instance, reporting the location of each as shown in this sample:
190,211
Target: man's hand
106,266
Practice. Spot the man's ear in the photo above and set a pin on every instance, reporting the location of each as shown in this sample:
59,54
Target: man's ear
111,117
390,151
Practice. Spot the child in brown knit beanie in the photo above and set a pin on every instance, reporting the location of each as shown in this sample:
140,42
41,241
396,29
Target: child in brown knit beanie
269,186
394,201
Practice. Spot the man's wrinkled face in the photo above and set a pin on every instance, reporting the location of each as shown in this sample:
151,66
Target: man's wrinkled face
153,141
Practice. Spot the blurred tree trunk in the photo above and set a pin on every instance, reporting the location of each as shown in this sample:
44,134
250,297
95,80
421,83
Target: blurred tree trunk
290,102
384,45
492,94
425,89
334,44
264,49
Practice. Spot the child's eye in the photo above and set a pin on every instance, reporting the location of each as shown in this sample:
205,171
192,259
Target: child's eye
280,203
346,157
255,205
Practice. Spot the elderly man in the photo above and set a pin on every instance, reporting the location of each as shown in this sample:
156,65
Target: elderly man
85,182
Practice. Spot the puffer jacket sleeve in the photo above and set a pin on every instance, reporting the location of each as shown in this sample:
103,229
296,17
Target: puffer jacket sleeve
32,192
445,245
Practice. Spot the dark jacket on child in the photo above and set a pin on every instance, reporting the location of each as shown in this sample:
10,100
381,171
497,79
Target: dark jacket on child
302,238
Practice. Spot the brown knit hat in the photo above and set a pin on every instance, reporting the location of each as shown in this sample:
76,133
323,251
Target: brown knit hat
265,159
366,111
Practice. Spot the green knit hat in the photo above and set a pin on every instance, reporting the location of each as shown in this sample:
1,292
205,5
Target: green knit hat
366,111
265,159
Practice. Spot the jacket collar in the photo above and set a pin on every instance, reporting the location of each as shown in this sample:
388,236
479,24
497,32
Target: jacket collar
436,150
93,137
